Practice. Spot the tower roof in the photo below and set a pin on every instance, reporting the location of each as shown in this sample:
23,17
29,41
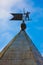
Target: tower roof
20,51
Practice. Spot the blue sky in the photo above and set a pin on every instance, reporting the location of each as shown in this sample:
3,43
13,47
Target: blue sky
8,29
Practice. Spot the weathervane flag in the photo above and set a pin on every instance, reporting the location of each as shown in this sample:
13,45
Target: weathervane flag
20,16
17,16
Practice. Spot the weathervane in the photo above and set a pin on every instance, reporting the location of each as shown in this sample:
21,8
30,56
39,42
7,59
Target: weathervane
21,16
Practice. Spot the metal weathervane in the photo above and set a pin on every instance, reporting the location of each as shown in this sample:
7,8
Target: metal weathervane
21,16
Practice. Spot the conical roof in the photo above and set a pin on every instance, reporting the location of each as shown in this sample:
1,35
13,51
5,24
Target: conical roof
20,51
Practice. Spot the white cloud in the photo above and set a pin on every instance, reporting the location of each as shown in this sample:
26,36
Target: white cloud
4,14
5,6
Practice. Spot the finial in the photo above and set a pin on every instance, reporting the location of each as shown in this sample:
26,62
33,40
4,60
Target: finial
23,26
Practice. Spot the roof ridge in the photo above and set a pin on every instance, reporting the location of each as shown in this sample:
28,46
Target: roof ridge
8,45
27,37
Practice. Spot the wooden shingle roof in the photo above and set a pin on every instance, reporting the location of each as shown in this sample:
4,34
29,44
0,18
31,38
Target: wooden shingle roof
20,51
